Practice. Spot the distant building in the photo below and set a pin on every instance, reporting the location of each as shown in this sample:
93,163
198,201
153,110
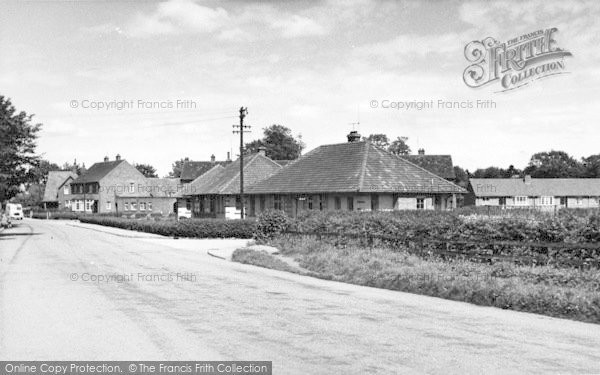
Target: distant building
217,192
440,165
354,176
96,190
191,170
156,196
57,190
527,192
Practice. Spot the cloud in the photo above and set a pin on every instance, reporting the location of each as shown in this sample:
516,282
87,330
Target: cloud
298,26
177,17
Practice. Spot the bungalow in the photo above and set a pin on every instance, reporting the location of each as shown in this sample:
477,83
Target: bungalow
527,192
57,190
155,196
355,175
217,192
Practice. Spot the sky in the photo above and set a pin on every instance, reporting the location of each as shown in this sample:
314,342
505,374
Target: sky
156,81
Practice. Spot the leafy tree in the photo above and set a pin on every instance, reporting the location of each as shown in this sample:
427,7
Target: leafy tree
18,137
399,146
177,168
39,172
554,164
495,172
74,167
279,142
379,140
462,176
147,170
591,166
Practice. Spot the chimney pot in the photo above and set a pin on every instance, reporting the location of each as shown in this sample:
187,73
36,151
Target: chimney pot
212,158
262,150
228,156
106,159
353,136
421,151
118,157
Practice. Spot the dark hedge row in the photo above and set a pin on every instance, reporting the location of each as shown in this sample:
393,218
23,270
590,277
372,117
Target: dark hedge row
193,228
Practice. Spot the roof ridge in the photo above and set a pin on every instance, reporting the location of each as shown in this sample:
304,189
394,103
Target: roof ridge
363,167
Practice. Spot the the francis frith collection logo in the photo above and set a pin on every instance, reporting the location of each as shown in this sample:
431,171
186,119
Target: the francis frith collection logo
514,63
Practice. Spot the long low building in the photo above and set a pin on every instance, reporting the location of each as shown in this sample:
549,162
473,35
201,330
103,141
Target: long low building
355,176
527,192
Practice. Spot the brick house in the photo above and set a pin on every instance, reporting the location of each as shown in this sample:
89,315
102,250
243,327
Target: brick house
156,196
440,165
541,193
216,193
57,190
96,190
352,176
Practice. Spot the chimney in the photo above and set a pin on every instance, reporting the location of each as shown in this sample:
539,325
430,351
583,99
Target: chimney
527,179
186,159
212,158
421,151
228,156
353,136
106,159
118,157
262,151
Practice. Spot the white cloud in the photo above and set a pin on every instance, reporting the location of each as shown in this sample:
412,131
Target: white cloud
298,26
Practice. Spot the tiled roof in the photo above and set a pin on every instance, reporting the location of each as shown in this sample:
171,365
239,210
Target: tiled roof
226,180
440,165
353,167
55,180
508,187
194,169
283,163
98,171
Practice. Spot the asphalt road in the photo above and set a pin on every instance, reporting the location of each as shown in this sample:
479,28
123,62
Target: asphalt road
52,308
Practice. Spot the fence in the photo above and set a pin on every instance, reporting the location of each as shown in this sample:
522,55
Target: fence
580,255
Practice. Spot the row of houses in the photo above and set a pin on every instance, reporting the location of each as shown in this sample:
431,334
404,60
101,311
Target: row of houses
355,175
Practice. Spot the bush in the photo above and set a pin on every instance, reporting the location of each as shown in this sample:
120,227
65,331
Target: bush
192,228
270,224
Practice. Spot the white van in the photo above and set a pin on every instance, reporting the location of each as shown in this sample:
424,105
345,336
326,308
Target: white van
14,211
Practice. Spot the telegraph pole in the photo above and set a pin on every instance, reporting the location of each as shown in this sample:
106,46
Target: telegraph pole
241,127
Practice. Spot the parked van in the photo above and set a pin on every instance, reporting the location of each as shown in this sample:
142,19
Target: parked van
14,211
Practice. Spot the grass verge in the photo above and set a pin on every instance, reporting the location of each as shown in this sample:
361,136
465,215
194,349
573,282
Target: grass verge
547,290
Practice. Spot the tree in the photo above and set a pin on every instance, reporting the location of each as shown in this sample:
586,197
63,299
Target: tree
147,170
279,142
39,172
399,146
74,167
591,164
462,176
177,168
554,164
495,172
379,140
18,137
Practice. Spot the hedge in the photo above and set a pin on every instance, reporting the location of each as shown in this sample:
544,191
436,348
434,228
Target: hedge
192,228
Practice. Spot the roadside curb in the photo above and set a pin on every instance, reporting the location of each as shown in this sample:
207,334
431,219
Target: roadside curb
117,234
215,255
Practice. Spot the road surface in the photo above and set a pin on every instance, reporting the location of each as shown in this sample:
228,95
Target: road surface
51,307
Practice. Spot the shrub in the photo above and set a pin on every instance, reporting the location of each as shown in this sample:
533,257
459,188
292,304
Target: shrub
193,228
270,224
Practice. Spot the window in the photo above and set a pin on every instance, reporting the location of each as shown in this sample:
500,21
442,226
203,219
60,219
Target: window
133,206
502,201
77,206
420,203
337,203
149,206
547,201
322,202
87,205
108,206
238,202
310,202
563,201
90,188
252,206
126,206
67,204
350,202
131,187
579,200
142,206
213,204
66,190
277,202
520,201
